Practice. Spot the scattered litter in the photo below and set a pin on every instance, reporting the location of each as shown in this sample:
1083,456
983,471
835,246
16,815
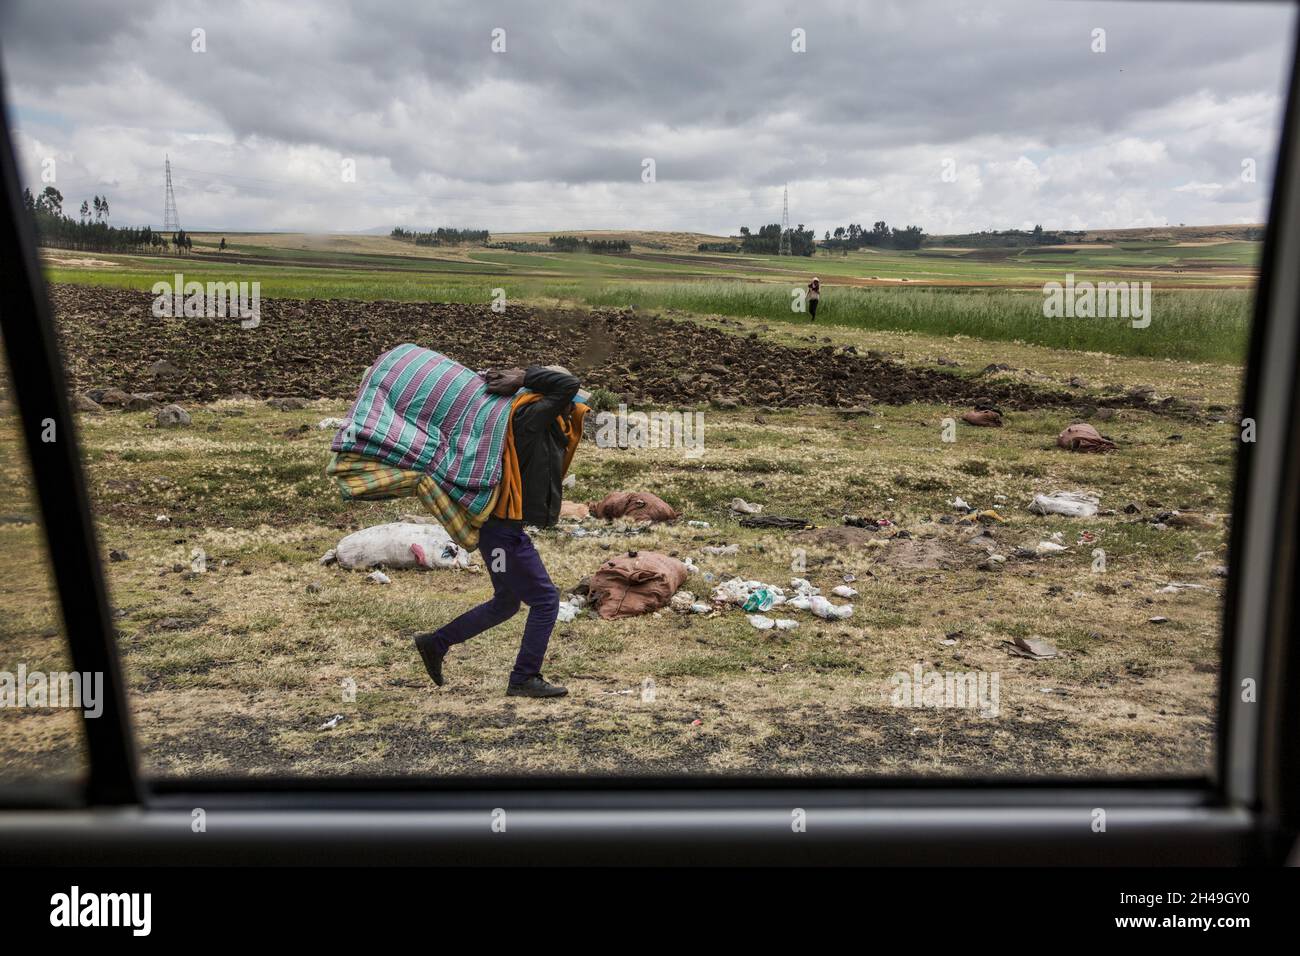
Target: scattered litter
761,622
162,519
1072,504
741,506
1087,538
569,481
844,591
1177,587
988,516
761,599
567,612
331,424
698,524
332,722
828,611
785,624
720,549
848,577
378,577
737,591
682,602
1049,547
1035,648
401,544
958,504
1158,620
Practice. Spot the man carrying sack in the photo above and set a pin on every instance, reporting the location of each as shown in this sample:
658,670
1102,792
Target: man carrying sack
486,459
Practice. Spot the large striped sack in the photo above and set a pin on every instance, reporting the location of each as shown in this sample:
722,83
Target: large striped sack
418,410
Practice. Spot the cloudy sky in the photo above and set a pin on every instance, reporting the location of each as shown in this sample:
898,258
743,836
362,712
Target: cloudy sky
951,115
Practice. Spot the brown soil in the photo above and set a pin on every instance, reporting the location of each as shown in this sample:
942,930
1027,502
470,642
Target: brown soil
320,348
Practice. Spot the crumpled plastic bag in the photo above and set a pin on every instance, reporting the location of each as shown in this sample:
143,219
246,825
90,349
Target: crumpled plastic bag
738,591
401,544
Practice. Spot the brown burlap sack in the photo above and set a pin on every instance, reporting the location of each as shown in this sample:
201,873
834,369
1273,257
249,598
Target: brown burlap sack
635,506
635,583
983,419
574,509
1083,437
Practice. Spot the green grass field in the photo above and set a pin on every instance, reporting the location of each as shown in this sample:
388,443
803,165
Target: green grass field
1201,292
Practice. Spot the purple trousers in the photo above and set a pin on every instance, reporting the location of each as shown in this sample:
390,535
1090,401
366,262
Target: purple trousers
518,575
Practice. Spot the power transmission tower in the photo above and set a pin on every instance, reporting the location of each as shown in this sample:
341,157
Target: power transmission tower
785,225
171,221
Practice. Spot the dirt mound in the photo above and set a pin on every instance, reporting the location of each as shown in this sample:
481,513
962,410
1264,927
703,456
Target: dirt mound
320,348
928,554
838,536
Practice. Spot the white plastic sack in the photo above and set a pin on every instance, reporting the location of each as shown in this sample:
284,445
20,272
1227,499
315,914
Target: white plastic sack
401,544
1072,504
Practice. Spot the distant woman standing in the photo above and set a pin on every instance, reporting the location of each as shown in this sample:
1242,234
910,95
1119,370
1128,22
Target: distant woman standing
814,295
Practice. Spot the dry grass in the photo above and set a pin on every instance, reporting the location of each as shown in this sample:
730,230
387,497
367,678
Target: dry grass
234,669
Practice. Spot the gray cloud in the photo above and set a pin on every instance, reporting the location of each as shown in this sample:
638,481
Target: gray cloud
552,133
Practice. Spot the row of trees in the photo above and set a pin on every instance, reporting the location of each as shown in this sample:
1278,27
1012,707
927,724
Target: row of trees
442,236
87,234
576,244
767,241
879,236
1013,238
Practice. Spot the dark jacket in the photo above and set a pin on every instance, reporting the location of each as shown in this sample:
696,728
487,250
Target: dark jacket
540,444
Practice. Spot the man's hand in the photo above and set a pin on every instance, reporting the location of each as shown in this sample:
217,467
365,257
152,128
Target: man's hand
504,381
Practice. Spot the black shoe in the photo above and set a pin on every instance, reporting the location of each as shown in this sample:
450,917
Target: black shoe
536,686
427,645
